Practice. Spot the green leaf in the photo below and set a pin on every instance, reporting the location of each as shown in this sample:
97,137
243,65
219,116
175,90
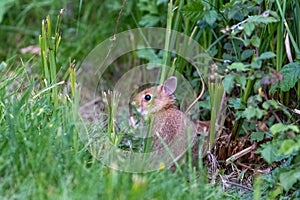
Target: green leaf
233,11
287,147
291,75
161,2
247,54
247,42
267,55
268,153
227,56
277,128
204,104
256,64
228,46
256,98
255,41
236,103
251,112
241,80
210,16
148,54
259,19
280,127
149,20
274,103
257,136
289,178
148,6
248,28
273,194
266,105
194,11
238,66
228,83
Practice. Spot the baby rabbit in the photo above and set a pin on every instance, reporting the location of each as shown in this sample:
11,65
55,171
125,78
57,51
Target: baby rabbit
169,125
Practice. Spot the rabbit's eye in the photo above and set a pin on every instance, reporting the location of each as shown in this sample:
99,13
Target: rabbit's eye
147,97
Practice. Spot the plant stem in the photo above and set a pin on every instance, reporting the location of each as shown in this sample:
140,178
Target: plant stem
238,124
216,91
296,18
166,57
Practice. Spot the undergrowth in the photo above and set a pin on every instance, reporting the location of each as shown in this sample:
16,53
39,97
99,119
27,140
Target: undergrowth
255,45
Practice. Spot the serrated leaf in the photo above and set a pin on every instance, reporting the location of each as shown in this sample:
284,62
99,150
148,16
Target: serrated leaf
238,115
291,75
194,11
267,55
251,112
236,103
228,83
238,66
149,54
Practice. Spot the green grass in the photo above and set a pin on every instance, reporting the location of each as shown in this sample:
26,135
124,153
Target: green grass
42,157
41,153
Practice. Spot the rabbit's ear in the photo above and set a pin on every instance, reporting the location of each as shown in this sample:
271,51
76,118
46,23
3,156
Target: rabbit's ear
170,85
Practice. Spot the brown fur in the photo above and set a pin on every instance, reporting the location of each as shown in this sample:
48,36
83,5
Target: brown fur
160,101
168,121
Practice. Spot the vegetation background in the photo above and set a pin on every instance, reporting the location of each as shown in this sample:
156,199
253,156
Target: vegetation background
255,45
